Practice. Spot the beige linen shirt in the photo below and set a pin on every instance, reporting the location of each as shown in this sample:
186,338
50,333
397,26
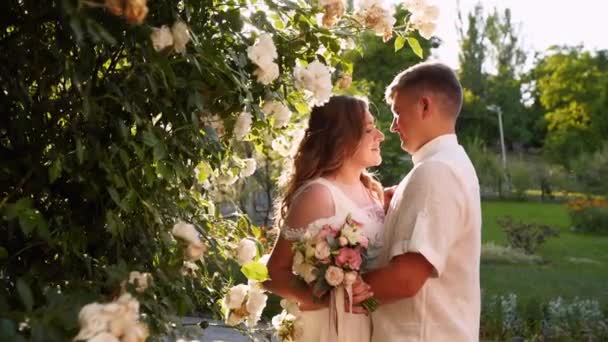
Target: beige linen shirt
436,212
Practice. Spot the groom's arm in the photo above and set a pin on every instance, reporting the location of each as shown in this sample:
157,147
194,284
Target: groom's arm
402,278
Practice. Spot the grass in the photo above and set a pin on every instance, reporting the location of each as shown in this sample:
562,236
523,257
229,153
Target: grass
577,264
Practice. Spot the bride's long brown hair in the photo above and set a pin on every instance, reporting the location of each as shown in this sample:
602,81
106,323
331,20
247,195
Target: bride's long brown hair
333,134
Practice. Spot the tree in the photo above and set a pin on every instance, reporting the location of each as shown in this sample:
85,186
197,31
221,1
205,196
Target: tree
491,62
569,82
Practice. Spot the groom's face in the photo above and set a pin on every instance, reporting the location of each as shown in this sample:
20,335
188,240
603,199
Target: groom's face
408,111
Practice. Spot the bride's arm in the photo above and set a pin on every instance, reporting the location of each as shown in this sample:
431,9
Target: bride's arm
313,204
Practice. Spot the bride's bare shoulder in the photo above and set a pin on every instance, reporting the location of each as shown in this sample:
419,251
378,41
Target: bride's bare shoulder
313,203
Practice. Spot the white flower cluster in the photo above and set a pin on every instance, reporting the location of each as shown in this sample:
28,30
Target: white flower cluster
242,126
112,322
248,167
279,111
188,234
246,251
177,36
288,327
263,53
334,10
316,79
244,303
141,281
374,14
423,17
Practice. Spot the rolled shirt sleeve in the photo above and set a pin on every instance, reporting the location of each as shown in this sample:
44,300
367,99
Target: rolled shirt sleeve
432,219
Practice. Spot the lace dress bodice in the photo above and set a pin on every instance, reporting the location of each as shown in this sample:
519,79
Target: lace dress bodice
371,217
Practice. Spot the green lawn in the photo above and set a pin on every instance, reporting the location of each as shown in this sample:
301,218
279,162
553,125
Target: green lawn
577,264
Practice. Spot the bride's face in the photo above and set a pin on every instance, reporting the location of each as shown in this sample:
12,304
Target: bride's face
367,153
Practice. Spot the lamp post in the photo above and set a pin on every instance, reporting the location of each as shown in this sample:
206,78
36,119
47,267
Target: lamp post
496,109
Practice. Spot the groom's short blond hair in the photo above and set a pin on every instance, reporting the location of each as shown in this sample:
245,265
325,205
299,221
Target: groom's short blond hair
432,76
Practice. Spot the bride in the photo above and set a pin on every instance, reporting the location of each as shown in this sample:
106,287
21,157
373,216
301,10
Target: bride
328,183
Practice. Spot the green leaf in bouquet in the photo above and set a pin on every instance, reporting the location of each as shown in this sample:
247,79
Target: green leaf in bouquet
255,270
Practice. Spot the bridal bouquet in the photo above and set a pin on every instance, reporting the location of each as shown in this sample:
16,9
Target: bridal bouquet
331,257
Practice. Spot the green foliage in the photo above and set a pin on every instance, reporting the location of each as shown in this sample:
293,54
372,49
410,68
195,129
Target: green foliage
521,179
591,220
569,82
106,143
526,236
590,170
487,165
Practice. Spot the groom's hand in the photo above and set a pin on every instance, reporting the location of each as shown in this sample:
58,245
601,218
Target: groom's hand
361,292
388,196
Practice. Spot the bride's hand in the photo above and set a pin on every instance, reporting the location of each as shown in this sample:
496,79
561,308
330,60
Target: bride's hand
361,292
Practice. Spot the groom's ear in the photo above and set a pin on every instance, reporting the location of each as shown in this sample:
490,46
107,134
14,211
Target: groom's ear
425,103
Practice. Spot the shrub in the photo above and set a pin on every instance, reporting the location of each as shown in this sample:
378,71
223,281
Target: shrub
526,236
589,215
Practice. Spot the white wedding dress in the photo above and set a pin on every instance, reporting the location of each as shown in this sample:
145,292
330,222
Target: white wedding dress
317,325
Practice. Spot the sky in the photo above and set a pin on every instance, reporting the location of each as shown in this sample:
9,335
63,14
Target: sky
543,23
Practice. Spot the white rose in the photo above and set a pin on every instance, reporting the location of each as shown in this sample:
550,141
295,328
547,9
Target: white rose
242,126
233,319
427,29
256,302
235,296
290,307
342,241
267,74
137,333
281,146
92,321
195,251
279,111
131,304
185,232
297,135
246,251
316,79
309,273
298,258
181,36
278,320
415,5
431,13
350,277
161,37
322,250
249,166
140,280
263,52
334,275
104,337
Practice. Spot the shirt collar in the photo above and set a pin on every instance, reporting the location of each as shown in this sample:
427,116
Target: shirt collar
434,146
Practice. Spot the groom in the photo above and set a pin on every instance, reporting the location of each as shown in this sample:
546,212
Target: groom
428,281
